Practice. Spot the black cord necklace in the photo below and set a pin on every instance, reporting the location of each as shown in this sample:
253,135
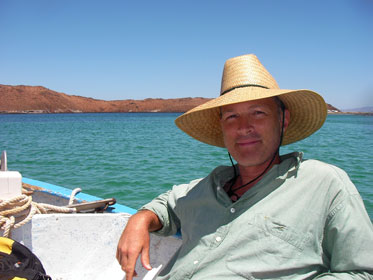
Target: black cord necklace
232,193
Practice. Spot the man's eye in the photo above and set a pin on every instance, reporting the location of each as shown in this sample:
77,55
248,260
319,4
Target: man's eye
230,117
259,113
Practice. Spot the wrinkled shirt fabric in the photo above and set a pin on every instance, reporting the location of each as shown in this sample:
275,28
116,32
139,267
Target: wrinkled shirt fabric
303,220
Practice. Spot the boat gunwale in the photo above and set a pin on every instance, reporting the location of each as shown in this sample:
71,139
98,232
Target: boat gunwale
80,197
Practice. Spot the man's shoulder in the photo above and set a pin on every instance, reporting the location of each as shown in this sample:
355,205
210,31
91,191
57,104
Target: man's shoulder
320,167
317,170
328,174
299,160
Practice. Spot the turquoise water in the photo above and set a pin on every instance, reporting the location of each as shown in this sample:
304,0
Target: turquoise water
136,156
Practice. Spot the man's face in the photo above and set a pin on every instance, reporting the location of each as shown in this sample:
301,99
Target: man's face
252,130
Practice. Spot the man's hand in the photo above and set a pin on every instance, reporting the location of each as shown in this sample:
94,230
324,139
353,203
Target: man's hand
135,240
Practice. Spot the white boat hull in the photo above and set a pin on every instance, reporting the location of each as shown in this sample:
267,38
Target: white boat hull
83,246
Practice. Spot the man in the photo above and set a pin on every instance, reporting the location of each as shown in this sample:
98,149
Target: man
269,216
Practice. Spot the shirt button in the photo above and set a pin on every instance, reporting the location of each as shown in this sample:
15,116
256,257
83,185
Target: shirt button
195,262
218,239
218,188
233,210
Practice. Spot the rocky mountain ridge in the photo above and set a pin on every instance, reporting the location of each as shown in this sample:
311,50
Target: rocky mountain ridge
38,99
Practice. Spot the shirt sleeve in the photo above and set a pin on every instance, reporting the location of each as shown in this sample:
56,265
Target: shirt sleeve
345,275
163,206
348,236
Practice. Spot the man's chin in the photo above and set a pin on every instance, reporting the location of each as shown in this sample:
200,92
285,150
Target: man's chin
251,160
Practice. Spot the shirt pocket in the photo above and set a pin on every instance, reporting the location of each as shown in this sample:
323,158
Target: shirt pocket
265,248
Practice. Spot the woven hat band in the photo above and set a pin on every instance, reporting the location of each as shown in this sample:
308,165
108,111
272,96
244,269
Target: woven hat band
249,85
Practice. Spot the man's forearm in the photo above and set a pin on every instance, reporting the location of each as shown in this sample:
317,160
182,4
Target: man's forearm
147,218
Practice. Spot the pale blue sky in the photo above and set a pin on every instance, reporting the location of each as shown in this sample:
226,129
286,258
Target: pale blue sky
169,49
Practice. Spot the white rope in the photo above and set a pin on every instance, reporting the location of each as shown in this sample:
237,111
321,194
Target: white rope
23,208
73,194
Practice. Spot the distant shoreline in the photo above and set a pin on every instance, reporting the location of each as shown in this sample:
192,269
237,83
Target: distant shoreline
37,112
351,113
40,100
67,112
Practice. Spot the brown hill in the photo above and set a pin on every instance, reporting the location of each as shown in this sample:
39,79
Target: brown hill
333,109
37,99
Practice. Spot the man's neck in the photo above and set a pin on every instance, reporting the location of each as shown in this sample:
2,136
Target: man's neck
249,173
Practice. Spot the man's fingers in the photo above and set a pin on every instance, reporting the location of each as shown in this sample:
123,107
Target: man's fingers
122,258
130,273
119,256
135,241
129,263
145,258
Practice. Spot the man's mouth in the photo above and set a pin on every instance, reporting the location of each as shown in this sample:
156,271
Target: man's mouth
248,142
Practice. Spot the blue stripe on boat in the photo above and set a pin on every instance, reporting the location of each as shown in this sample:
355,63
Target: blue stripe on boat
65,193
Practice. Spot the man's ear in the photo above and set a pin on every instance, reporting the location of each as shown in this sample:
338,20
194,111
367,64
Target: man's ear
287,119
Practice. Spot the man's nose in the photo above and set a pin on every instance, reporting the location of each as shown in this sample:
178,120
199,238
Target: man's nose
245,125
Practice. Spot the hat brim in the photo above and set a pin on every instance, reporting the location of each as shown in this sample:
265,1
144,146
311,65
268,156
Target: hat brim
308,112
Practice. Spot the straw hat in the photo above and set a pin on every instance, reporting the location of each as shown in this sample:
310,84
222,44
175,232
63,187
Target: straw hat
245,79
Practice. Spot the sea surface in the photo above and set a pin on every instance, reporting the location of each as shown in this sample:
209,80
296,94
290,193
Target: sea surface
136,156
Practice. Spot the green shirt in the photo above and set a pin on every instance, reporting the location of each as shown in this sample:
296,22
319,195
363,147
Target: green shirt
303,220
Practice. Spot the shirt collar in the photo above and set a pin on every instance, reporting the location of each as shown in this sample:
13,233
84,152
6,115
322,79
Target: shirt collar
290,163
